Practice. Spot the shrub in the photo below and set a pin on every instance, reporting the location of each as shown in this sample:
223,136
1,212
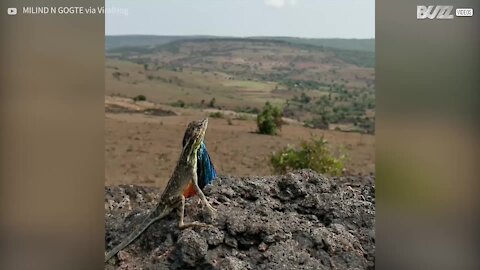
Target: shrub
248,109
314,154
116,75
216,115
269,121
242,117
304,98
211,104
317,122
140,98
179,103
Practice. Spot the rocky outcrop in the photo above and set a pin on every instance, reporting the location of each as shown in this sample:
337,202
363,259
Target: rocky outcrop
301,220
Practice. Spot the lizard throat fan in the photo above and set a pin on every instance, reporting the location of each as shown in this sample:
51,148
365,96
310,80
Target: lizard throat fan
206,172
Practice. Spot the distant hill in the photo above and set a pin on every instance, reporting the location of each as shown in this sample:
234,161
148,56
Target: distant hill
113,42
362,58
360,52
364,45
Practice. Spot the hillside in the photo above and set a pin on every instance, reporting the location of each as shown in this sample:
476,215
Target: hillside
323,87
113,42
301,220
366,45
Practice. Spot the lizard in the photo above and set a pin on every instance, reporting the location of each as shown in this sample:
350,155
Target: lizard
172,197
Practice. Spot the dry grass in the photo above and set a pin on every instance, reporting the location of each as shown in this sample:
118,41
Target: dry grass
143,149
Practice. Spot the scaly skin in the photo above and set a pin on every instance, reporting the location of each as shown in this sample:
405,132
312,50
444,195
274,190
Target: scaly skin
206,172
172,197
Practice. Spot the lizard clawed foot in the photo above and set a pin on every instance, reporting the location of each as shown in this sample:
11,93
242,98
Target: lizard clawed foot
211,210
182,225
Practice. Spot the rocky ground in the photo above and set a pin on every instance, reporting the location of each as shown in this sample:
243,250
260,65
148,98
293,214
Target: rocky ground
301,220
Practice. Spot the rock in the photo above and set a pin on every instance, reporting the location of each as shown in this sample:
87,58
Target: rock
232,263
231,242
213,236
191,249
262,247
301,220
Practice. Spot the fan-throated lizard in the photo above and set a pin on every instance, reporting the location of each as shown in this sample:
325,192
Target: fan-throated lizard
172,197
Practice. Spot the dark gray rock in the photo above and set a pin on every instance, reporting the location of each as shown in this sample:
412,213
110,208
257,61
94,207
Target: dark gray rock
191,249
213,236
301,220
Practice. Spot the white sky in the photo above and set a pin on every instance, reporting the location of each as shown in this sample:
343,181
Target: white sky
298,18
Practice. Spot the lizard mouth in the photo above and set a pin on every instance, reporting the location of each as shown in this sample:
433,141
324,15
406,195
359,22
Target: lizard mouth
205,124
203,127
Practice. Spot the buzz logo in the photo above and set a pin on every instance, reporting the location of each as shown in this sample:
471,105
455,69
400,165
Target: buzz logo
435,12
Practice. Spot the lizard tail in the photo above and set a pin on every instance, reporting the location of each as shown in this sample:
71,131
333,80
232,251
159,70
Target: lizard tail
134,235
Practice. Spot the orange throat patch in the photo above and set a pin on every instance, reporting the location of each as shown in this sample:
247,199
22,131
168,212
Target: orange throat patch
189,191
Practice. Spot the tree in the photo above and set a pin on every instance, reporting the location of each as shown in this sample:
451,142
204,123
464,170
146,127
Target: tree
140,98
304,98
314,154
269,121
211,104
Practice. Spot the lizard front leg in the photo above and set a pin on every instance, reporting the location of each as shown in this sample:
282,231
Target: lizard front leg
181,224
200,192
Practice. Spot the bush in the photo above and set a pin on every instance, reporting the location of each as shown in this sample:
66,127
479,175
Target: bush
248,109
216,115
179,103
140,98
242,117
313,154
304,98
317,122
269,121
211,104
116,75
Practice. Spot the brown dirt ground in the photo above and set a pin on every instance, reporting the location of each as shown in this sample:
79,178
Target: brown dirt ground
143,149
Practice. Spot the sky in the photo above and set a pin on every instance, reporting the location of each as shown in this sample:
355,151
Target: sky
242,18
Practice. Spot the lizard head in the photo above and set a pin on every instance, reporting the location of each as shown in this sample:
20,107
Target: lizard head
193,137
